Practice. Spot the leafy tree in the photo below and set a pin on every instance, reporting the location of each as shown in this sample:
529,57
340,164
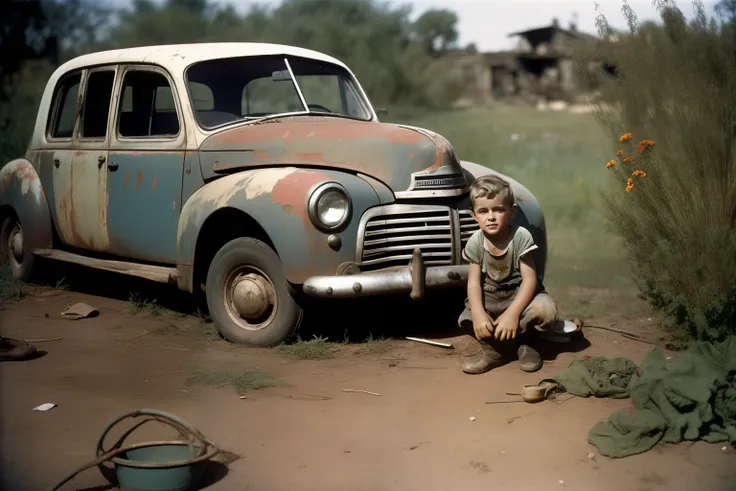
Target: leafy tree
377,40
437,30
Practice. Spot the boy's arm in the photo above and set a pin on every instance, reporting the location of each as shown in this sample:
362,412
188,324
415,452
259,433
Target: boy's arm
473,253
481,321
508,322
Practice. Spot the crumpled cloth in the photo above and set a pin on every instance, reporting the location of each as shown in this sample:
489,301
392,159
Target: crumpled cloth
689,397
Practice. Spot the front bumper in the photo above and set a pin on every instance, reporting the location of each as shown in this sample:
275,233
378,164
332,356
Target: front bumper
413,279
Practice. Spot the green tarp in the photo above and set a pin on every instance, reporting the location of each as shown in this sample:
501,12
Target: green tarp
689,397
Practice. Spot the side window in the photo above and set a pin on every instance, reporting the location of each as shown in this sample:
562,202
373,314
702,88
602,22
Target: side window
64,107
97,104
147,107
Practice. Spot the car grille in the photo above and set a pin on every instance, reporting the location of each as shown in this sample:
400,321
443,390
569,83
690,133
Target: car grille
468,225
389,235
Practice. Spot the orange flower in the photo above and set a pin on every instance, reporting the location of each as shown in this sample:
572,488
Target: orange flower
639,173
629,185
619,152
610,164
625,137
628,160
644,144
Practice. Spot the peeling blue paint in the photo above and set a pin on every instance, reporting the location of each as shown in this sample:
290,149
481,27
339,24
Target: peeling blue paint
144,202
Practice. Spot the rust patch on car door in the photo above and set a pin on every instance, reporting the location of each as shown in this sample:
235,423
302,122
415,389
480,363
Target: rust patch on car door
80,192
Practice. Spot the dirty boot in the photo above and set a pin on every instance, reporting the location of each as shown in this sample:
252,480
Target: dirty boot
529,358
486,360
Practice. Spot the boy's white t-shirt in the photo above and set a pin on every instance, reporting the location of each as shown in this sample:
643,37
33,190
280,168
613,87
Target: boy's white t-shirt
501,274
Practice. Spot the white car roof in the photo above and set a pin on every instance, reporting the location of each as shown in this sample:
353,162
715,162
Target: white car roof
176,57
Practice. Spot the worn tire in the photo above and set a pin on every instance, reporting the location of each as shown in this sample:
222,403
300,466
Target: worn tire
23,270
286,316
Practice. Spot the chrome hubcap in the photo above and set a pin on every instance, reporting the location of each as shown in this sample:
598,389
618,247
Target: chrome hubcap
15,243
250,298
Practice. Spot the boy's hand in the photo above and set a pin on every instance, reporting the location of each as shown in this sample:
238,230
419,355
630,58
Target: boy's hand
506,326
483,326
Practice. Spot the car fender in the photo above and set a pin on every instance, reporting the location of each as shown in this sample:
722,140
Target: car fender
529,215
276,199
21,190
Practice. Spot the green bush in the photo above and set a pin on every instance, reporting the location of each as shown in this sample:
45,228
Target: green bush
675,89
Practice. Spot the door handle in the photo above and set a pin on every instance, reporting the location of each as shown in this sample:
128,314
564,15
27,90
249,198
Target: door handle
112,166
100,160
57,163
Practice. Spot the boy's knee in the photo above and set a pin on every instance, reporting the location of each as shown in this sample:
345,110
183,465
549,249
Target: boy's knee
541,313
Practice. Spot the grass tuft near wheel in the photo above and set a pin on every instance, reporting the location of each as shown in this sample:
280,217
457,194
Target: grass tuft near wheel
20,258
248,296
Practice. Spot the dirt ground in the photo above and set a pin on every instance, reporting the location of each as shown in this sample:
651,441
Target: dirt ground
306,433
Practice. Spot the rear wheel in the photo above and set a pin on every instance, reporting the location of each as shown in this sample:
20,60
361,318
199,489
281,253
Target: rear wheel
248,296
13,251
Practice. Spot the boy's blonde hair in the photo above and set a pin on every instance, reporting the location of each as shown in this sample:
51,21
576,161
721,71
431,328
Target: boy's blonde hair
490,186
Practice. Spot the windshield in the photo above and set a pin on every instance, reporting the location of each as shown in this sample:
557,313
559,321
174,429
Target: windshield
229,90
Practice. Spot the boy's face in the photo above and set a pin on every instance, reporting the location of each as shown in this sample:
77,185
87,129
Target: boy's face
493,215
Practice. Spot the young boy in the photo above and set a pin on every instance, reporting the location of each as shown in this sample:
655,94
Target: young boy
506,301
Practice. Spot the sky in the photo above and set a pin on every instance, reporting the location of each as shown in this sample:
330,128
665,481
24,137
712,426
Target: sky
487,23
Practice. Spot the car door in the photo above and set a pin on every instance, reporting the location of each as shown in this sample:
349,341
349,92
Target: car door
55,159
146,165
78,139
88,178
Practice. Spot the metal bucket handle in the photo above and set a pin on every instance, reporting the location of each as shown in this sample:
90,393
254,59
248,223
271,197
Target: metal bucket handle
179,424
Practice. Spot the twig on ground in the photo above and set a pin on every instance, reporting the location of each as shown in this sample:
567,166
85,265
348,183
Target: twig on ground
167,347
138,336
42,340
363,391
626,334
572,396
430,342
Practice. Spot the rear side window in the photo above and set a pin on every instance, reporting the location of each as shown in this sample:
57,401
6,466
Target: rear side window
64,107
97,104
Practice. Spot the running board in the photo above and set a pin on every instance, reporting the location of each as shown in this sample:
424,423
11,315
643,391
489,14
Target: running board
159,274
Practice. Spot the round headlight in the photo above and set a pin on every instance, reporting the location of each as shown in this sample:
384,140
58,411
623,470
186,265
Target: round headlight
332,208
329,206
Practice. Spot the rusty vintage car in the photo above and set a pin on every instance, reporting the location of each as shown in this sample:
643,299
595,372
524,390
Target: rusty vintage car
253,174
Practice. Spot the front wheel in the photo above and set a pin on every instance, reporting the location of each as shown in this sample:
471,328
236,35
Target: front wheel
13,251
248,296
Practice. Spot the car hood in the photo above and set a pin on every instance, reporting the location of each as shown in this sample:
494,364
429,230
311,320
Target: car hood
401,157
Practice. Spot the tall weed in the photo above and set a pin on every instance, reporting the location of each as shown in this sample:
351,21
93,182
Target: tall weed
672,197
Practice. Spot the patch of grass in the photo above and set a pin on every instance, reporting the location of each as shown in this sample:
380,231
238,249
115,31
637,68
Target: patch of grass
138,305
317,348
207,328
376,346
10,289
61,284
241,380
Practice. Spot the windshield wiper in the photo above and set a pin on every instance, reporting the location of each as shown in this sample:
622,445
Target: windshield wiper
296,85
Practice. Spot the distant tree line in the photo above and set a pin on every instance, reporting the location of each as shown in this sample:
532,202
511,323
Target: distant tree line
399,61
